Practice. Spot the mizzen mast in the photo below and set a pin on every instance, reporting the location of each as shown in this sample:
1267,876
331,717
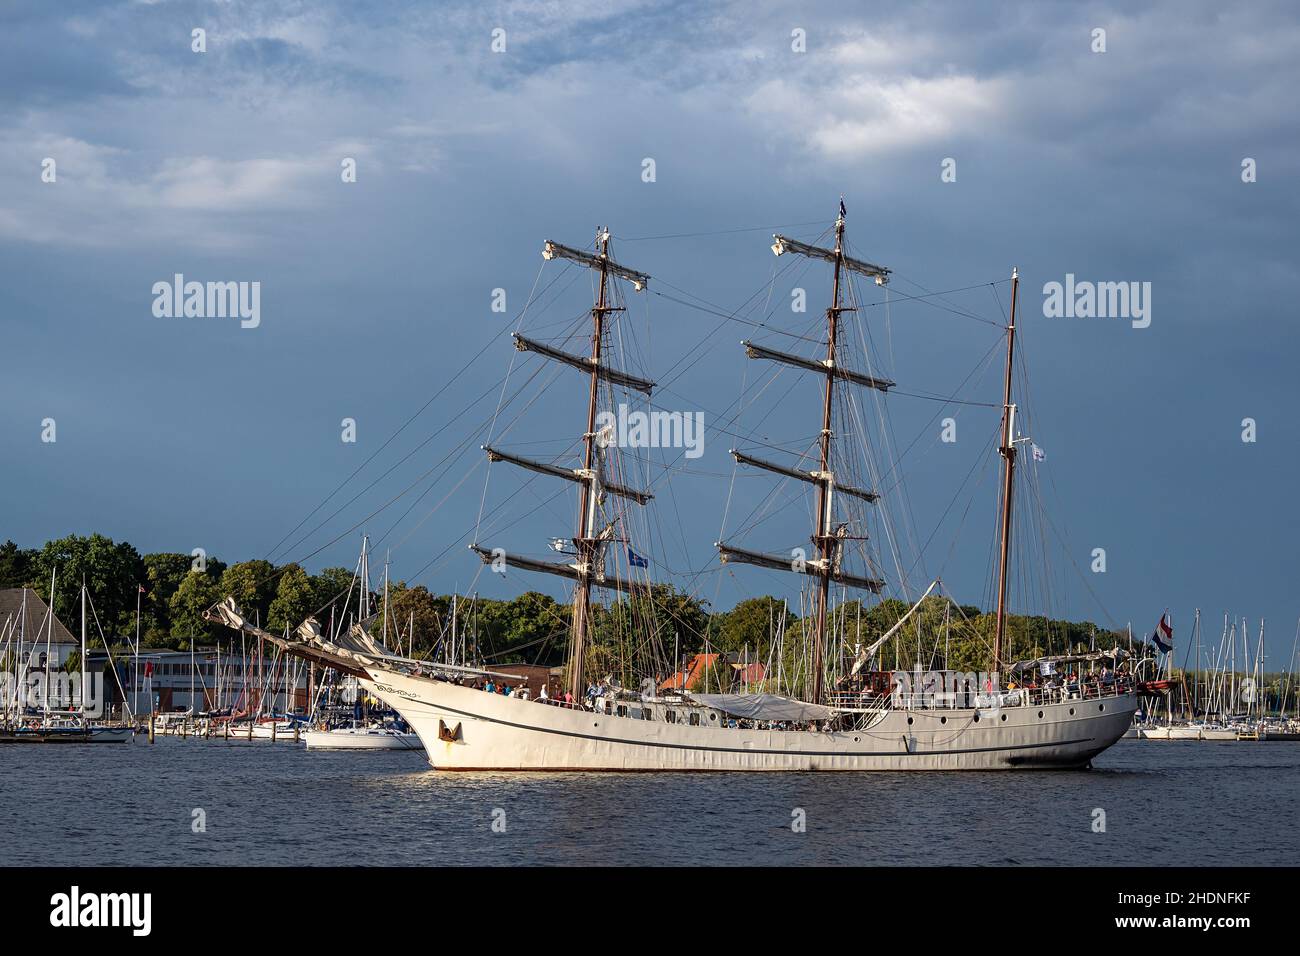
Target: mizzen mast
828,537
1008,453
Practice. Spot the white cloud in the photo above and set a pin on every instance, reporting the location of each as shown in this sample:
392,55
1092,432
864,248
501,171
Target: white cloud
860,114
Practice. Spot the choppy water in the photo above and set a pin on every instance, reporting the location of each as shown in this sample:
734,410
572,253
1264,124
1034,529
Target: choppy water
1168,803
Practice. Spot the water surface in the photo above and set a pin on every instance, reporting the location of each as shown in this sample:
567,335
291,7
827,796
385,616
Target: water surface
1165,803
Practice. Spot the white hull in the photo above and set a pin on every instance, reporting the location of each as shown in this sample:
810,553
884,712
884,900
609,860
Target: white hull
111,735
1188,733
69,735
493,732
1218,733
361,739
282,732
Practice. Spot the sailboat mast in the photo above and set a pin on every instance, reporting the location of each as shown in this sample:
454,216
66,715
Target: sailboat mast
823,538
586,513
1008,452
83,649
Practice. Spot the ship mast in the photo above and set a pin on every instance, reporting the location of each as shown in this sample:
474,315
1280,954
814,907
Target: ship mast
585,542
829,540
825,545
1008,452
588,569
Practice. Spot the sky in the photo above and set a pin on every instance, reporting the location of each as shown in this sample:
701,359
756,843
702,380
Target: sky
480,130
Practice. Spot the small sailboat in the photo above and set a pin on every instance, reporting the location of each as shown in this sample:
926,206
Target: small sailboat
363,736
74,724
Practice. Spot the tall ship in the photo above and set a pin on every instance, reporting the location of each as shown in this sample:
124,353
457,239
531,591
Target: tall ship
827,702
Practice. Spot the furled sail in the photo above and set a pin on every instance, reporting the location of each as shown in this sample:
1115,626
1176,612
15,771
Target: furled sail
798,361
573,572
612,375
812,477
554,250
810,566
784,244
569,474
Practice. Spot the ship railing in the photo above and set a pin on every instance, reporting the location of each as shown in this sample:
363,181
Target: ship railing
1011,697
1088,690
847,701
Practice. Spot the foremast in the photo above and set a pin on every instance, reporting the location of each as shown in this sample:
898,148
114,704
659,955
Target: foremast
588,548
828,537
591,540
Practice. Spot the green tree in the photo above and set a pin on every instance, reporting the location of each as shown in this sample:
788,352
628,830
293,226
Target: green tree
15,565
293,600
413,607
252,584
112,572
163,574
329,592
752,623
197,592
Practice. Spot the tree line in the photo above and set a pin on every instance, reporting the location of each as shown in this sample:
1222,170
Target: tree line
173,590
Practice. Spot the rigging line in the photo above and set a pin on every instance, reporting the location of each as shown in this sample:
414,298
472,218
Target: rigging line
1078,570
505,383
409,488
468,531
673,373
722,536
710,310
948,308
446,385
946,399
888,443
930,295
429,514
986,460
982,364
390,470
721,232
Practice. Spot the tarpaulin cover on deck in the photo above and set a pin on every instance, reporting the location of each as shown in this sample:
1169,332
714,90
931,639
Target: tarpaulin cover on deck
763,707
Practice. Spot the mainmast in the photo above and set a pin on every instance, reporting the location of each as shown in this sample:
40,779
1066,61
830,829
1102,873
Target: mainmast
1008,452
591,541
825,545
828,538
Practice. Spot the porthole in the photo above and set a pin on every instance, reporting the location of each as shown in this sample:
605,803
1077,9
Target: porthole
976,718
911,720
1004,716
856,739
594,724
713,716
1071,711
943,720
1040,715
1101,708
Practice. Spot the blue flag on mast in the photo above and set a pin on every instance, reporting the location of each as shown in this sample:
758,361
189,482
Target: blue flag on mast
635,560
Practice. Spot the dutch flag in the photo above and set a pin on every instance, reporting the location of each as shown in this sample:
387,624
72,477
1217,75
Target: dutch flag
1164,634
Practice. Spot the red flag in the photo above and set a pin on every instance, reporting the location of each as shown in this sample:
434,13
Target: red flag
148,668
